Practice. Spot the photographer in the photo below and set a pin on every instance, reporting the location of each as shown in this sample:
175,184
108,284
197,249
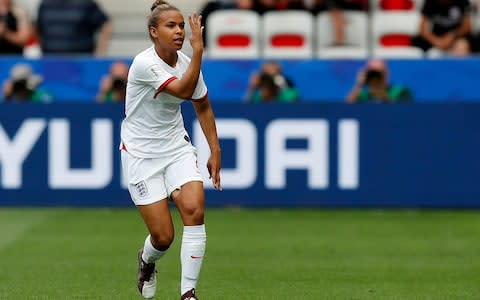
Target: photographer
372,86
270,84
15,28
269,91
23,86
113,86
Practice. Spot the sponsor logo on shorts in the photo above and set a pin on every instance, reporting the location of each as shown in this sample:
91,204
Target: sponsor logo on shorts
142,189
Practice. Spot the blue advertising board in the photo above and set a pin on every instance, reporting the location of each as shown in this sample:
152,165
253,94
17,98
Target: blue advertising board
308,155
450,79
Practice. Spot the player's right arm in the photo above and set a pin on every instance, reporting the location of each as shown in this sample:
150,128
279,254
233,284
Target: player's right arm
183,88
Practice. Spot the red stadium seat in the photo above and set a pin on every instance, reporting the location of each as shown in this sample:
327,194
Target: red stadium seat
233,34
395,40
288,34
234,40
397,4
287,40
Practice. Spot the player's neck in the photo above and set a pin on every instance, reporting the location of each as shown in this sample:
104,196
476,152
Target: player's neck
169,57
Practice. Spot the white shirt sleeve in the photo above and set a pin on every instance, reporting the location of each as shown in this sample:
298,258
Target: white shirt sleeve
152,74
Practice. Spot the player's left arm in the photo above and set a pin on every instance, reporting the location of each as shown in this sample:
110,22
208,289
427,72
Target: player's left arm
206,119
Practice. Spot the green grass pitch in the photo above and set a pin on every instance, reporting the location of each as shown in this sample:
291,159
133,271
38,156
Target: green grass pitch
251,254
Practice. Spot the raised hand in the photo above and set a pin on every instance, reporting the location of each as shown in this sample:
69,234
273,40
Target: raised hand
196,39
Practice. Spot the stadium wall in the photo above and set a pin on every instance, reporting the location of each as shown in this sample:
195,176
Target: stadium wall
307,155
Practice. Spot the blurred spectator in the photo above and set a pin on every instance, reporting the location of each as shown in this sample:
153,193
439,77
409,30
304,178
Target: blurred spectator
23,86
70,27
335,9
15,28
271,85
113,86
461,47
443,22
372,86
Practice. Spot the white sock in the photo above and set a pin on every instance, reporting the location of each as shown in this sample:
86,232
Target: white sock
193,249
150,254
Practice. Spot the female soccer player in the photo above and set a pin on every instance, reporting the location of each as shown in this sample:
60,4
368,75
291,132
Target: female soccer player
158,159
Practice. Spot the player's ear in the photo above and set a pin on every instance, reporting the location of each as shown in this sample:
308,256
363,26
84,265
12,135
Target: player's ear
153,32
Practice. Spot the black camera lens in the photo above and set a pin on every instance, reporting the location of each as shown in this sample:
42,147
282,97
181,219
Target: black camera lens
373,75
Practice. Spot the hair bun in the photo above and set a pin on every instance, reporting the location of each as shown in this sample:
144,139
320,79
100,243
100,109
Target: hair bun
158,3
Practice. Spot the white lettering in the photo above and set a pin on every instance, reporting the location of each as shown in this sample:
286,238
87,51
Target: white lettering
348,154
61,175
13,153
314,158
244,174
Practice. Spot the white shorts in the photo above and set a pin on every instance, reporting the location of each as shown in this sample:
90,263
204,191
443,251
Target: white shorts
154,179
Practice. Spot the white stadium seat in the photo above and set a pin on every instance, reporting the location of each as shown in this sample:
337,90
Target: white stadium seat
288,34
393,30
356,36
343,52
397,52
233,34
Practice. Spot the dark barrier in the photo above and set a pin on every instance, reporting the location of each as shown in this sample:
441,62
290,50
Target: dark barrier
319,155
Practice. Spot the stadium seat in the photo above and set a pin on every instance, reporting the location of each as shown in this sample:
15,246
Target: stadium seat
435,53
288,34
397,52
343,52
356,35
233,34
394,30
394,5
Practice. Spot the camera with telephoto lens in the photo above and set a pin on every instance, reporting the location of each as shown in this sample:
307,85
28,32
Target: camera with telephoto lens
373,75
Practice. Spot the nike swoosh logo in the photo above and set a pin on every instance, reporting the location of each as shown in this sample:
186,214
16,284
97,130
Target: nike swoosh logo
196,257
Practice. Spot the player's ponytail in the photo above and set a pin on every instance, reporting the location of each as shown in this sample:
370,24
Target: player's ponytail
158,7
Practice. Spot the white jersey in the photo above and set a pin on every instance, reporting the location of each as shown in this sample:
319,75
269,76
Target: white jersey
153,124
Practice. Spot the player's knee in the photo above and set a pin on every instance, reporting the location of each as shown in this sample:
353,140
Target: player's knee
162,240
193,214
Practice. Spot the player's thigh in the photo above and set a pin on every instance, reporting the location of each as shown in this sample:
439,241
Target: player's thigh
185,185
182,170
